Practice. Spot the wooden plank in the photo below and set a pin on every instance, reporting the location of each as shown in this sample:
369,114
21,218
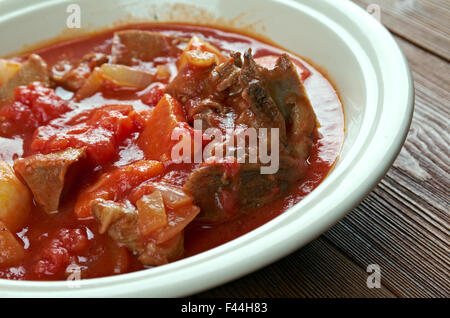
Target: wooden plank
317,270
404,223
425,23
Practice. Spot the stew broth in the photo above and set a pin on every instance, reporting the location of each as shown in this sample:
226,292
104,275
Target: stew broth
97,254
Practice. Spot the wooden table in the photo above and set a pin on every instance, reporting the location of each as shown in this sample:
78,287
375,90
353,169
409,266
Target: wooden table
403,225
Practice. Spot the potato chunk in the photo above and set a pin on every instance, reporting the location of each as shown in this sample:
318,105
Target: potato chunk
11,251
15,199
7,70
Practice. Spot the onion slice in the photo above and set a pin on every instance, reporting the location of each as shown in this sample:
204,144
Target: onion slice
173,197
151,213
120,75
126,76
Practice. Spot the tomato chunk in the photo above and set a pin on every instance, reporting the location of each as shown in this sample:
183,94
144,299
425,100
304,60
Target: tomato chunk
101,130
56,255
153,95
32,106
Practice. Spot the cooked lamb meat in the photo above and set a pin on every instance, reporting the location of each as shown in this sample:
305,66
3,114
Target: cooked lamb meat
288,92
48,175
259,98
159,254
255,92
227,74
189,83
120,220
132,45
219,192
203,92
277,98
34,69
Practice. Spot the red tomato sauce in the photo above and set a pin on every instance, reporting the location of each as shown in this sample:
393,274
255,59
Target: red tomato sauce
52,241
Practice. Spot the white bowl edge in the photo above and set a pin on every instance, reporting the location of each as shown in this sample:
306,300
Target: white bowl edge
376,138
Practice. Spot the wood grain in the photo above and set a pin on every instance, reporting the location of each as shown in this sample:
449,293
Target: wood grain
404,223
317,270
425,23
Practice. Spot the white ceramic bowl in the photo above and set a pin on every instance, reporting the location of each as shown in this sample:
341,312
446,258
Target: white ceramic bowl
362,59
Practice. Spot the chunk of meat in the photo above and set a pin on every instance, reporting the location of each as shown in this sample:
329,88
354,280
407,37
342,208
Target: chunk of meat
195,65
207,184
223,189
269,61
258,189
226,74
122,223
287,90
202,92
130,46
264,111
160,254
48,175
34,69
259,98
190,82
277,99
206,88
73,78
120,220
15,199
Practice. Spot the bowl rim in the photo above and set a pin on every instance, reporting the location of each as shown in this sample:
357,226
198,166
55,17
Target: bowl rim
284,234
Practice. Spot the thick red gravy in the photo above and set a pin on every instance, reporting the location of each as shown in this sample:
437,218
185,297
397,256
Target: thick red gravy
104,257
